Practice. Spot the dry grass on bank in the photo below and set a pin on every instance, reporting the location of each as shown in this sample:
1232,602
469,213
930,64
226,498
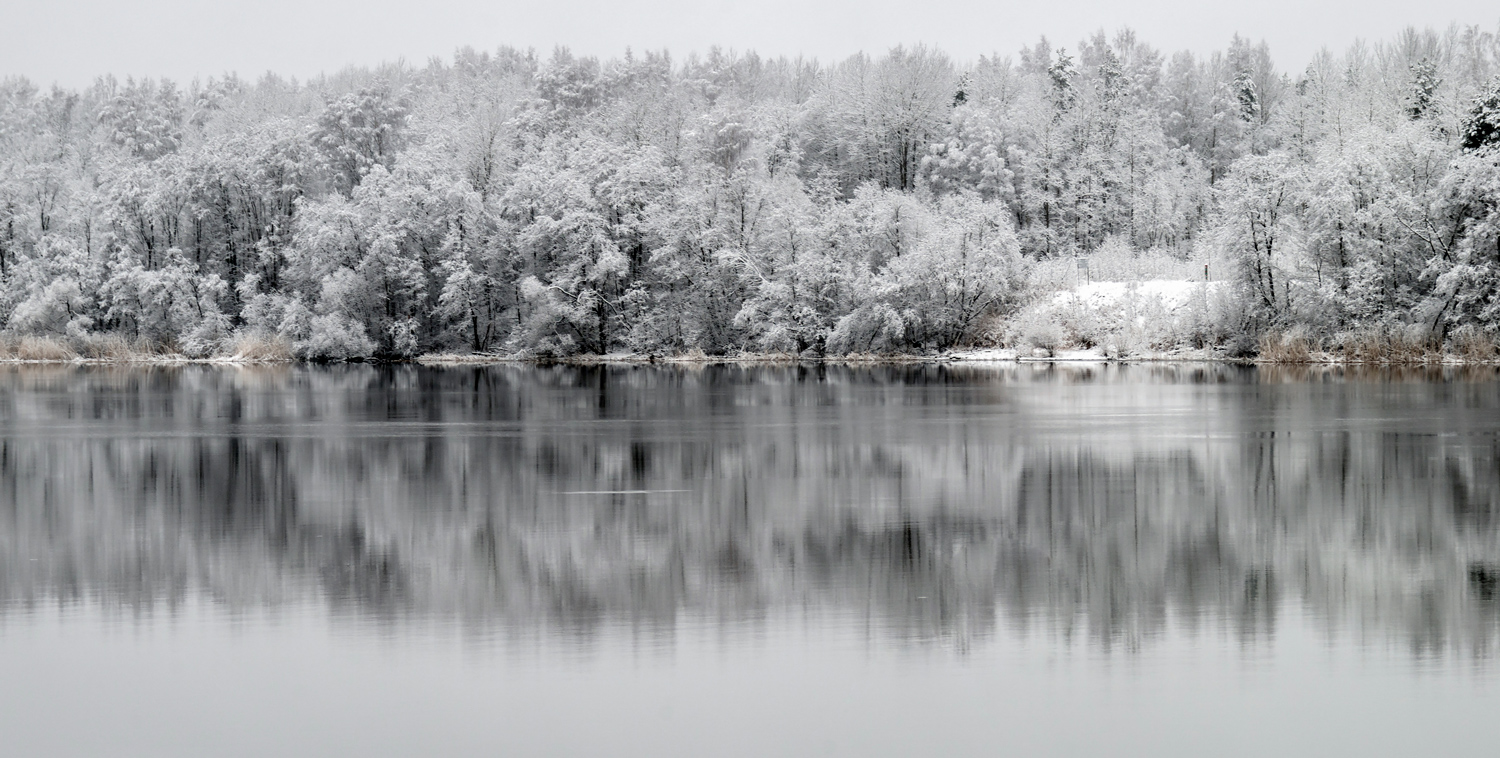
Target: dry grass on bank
35,349
112,348
1390,346
1386,346
1286,348
1474,346
260,348
103,348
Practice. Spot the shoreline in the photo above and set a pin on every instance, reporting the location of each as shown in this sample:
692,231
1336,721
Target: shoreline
975,357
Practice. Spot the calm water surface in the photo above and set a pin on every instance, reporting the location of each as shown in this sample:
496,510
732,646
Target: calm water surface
1178,560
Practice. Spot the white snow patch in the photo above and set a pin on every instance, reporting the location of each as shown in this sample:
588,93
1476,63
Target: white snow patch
1011,355
1092,354
985,354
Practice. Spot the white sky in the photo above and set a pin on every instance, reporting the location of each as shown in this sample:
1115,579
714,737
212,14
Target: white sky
71,41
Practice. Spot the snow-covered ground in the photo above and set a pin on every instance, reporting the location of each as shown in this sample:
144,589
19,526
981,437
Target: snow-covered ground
1012,354
1174,293
1099,321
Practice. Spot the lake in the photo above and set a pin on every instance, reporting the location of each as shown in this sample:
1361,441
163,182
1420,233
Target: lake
994,559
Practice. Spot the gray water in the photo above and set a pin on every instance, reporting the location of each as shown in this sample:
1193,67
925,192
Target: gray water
748,561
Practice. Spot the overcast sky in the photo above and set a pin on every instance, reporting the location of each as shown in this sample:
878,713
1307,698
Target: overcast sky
71,41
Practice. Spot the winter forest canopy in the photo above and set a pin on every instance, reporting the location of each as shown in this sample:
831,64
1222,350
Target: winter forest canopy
512,203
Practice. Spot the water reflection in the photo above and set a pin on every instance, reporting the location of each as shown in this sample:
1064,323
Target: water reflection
921,503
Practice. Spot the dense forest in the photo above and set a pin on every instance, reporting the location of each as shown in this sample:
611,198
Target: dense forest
513,203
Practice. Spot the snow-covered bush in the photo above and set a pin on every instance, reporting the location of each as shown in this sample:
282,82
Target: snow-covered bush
334,337
209,337
1135,317
874,328
54,290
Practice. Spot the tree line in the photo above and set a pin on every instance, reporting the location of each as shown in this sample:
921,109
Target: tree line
725,203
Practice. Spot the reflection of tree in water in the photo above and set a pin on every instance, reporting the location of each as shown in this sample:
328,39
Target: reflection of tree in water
927,502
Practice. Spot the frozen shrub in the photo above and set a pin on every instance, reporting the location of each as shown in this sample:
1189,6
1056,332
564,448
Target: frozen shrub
208,337
335,337
1036,327
53,308
294,320
874,328
1135,316
403,336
